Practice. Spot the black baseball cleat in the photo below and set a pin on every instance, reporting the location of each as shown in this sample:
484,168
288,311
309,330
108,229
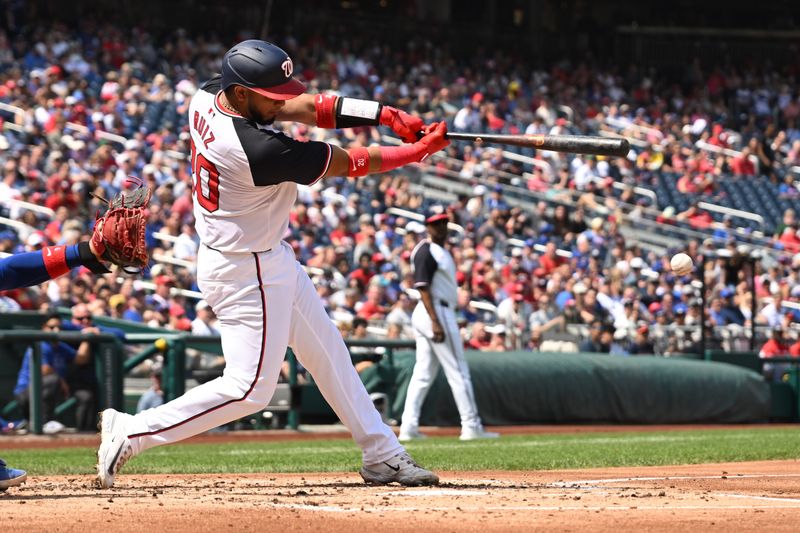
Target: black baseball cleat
400,469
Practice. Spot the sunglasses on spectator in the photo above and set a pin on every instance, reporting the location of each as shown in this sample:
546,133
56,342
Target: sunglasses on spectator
56,325
82,318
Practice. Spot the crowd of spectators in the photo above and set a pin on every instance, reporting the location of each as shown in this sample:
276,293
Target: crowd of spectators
526,274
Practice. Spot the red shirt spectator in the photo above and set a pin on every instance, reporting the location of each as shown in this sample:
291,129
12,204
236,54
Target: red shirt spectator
61,198
742,166
371,310
775,347
794,349
790,240
362,275
717,137
696,217
701,219
364,272
537,182
549,260
53,230
686,184
339,234
183,205
705,183
480,337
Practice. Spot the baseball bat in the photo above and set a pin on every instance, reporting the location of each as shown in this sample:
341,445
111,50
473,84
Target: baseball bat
577,144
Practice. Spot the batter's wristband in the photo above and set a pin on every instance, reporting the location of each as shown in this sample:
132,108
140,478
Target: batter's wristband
397,156
353,112
359,162
325,106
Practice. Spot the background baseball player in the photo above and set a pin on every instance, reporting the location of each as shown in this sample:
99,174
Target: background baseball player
437,335
246,177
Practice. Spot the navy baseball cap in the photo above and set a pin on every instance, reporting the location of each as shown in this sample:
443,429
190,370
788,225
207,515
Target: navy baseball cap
436,213
262,67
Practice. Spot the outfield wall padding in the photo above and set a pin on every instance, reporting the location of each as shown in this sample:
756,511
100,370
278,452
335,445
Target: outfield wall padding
530,388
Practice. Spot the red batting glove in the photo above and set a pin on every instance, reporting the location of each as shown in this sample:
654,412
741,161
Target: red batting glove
435,138
396,156
405,125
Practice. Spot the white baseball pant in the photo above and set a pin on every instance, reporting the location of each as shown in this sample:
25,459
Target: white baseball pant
430,356
264,302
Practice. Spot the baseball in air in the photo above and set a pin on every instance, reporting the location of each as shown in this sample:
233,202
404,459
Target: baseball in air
681,264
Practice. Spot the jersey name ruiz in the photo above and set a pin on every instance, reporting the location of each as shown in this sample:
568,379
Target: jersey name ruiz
245,175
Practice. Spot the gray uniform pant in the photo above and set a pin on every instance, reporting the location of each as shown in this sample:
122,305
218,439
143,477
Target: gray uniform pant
430,356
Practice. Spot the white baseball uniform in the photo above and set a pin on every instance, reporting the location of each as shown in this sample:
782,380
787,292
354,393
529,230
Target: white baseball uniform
434,268
245,185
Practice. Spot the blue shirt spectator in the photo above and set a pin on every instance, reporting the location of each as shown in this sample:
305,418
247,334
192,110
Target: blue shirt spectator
55,355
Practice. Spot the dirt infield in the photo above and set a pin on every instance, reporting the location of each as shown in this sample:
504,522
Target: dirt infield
724,497
734,496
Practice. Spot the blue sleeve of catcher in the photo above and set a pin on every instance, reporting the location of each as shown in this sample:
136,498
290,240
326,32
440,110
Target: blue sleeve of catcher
27,269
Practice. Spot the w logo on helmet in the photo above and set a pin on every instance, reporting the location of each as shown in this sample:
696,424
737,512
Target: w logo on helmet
287,67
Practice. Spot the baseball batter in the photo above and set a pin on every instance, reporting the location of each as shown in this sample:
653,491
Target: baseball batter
246,177
437,336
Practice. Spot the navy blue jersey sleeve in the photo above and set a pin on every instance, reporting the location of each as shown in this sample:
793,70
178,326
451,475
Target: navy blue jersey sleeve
424,266
275,158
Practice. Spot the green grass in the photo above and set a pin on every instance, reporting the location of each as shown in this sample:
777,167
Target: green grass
516,452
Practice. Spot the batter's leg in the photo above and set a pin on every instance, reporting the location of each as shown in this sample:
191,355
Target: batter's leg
249,294
425,369
254,327
319,346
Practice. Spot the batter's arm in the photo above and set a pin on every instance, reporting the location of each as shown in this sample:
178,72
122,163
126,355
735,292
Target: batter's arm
341,163
300,109
332,111
362,161
436,326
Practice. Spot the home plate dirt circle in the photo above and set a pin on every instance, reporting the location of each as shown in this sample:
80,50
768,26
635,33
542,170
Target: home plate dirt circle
733,496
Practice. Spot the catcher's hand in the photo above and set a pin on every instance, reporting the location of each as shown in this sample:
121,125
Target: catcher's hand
118,235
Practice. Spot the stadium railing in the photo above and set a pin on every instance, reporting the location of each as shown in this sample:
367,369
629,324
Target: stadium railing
112,364
108,361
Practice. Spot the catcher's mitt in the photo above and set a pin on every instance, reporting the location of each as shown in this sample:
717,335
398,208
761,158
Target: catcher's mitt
119,234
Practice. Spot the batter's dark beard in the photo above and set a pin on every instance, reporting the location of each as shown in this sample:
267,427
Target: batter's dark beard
258,117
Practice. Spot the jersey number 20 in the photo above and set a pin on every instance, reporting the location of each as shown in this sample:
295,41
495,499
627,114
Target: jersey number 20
206,184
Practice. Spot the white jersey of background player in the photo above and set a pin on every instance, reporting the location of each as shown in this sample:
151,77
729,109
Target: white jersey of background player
438,339
245,184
